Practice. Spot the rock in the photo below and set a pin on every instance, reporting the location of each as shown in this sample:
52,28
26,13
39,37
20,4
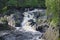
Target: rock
11,20
42,28
24,25
21,35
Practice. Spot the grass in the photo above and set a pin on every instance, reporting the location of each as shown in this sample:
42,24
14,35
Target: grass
59,39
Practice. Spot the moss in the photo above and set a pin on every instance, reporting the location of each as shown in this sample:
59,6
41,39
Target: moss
3,19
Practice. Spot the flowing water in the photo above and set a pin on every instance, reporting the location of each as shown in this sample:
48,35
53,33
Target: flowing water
28,29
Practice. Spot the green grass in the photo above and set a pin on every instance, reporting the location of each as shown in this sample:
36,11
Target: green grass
59,39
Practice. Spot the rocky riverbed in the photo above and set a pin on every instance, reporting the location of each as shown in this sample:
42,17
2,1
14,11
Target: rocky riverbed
26,25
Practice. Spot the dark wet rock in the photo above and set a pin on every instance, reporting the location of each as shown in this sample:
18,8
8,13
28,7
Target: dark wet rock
42,28
21,35
32,22
16,17
4,27
1,38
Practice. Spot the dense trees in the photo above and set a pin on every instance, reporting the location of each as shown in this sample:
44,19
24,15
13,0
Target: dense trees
27,3
4,4
31,3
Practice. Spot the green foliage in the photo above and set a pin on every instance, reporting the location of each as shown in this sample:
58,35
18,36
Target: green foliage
3,10
53,8
59,39
20,3
3,3
26,3
12,2
2,19
41,3
31,3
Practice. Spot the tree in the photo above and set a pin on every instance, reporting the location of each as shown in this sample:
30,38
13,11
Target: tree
41,3
31,3
3,6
